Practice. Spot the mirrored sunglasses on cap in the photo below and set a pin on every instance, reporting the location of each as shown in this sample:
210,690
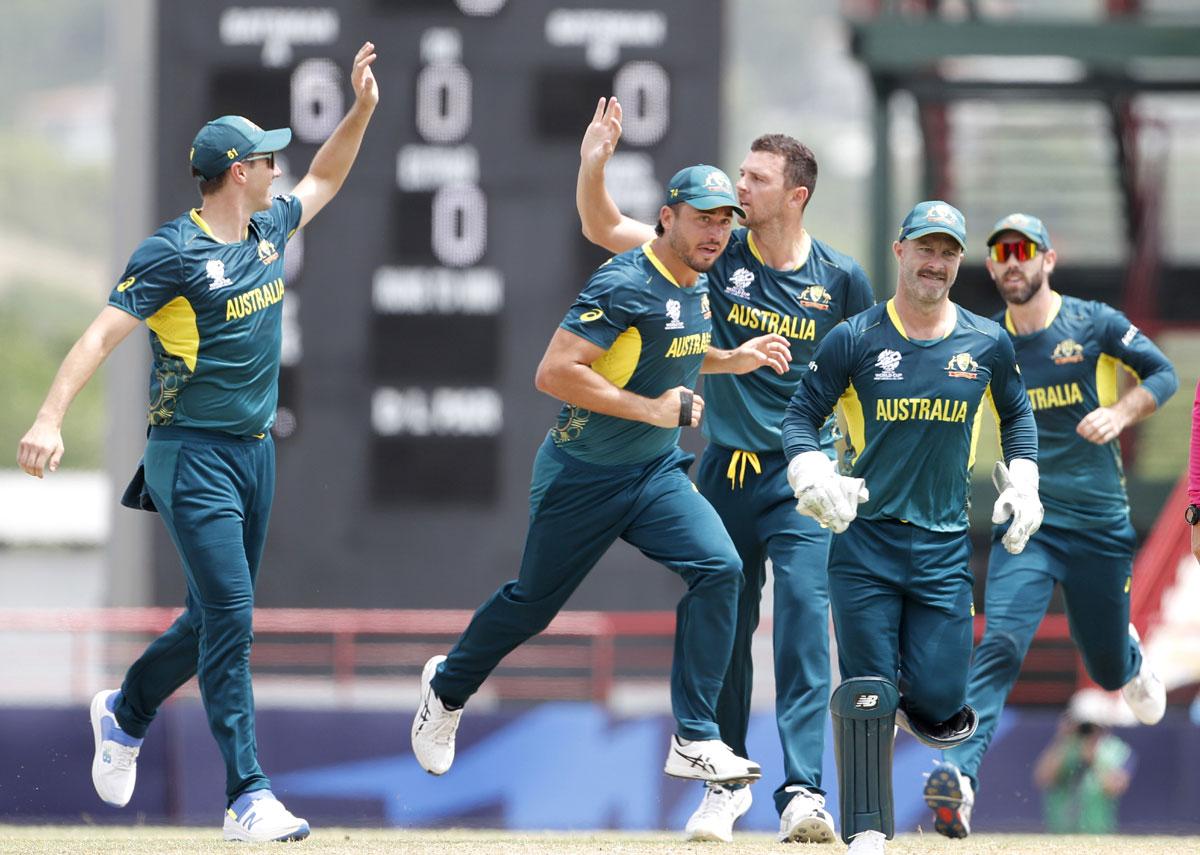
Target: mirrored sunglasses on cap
1024,250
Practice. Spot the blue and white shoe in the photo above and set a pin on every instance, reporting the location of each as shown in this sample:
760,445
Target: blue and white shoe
114,765
259,817
948,792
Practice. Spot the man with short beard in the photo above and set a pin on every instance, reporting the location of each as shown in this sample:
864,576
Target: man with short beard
1068,350
776,278
913,377
623,362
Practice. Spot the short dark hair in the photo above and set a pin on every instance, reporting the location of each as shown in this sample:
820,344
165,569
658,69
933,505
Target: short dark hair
208,186
799,163
658,227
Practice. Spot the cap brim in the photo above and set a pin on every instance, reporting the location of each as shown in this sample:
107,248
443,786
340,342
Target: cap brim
934,230
274,140
1029,233
709,203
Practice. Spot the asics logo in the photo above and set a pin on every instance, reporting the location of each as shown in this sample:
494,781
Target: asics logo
698,761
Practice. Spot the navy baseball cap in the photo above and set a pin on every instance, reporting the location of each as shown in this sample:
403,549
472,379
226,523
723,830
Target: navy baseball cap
703,187
230,139
1031,227
934,217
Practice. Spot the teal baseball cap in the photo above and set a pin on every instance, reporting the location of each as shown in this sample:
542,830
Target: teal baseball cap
1031,227
934,217
231,139
703,187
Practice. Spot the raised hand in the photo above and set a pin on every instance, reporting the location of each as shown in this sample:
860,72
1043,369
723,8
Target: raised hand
600,139
362,79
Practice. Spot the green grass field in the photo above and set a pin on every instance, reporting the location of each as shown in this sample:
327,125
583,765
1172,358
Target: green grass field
142,840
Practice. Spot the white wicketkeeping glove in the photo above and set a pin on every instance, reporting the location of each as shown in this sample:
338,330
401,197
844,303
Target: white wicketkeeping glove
821,493
1017,485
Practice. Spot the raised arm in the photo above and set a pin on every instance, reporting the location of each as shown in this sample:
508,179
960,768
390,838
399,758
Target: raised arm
333,159
42,445
602,221
566,373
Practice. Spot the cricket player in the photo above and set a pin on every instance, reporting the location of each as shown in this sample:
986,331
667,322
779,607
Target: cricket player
912,377
1069,351
624,361
772,277
209,285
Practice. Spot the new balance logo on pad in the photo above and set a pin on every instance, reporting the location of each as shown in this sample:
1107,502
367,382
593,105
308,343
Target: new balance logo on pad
866,702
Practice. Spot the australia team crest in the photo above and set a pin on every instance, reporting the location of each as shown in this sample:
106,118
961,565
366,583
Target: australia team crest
962,365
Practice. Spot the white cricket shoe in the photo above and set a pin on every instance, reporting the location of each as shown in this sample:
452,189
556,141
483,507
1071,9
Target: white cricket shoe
719,810
948,792
259,817
114,765
434,726
867,843
709,760
805,819
1145,693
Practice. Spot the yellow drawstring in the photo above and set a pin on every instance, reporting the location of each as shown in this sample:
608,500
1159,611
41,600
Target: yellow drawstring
738,478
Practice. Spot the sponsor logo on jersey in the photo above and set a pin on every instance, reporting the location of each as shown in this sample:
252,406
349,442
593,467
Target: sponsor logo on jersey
789,326
705,309
125,284
674,315
695,344
215,270
591,315
815,297
267,252
1130,335
920,409
1066,351
962,365
254,300
887,362
1060,395
739,283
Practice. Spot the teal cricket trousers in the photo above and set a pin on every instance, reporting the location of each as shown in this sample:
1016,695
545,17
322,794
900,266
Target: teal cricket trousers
1095,568
577,510
751,494
902,610
214,493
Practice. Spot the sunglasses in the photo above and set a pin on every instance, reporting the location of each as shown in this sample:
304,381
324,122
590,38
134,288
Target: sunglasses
1024,250
269,157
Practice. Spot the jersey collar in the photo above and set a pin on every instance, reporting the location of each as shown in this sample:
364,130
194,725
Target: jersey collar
899,325
805,249
658,265
1055,306
203,226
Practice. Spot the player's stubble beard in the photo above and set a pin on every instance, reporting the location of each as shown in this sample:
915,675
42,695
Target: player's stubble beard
681,249
1020,289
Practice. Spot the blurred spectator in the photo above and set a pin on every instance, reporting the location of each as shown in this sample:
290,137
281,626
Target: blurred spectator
1083,772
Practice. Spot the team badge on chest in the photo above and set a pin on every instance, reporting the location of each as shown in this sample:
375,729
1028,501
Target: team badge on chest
1067,351
962,365
266,251
815,297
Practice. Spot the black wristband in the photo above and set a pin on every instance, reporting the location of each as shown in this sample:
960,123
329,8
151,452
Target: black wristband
685,408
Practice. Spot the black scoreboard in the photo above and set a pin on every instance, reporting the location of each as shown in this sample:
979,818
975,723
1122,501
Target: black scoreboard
421,299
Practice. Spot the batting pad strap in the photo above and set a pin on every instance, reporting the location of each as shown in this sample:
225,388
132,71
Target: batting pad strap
685,407
864,722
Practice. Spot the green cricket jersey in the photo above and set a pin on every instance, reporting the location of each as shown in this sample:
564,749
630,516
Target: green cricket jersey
655,333
750,299
1070,369
912,410
215,316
